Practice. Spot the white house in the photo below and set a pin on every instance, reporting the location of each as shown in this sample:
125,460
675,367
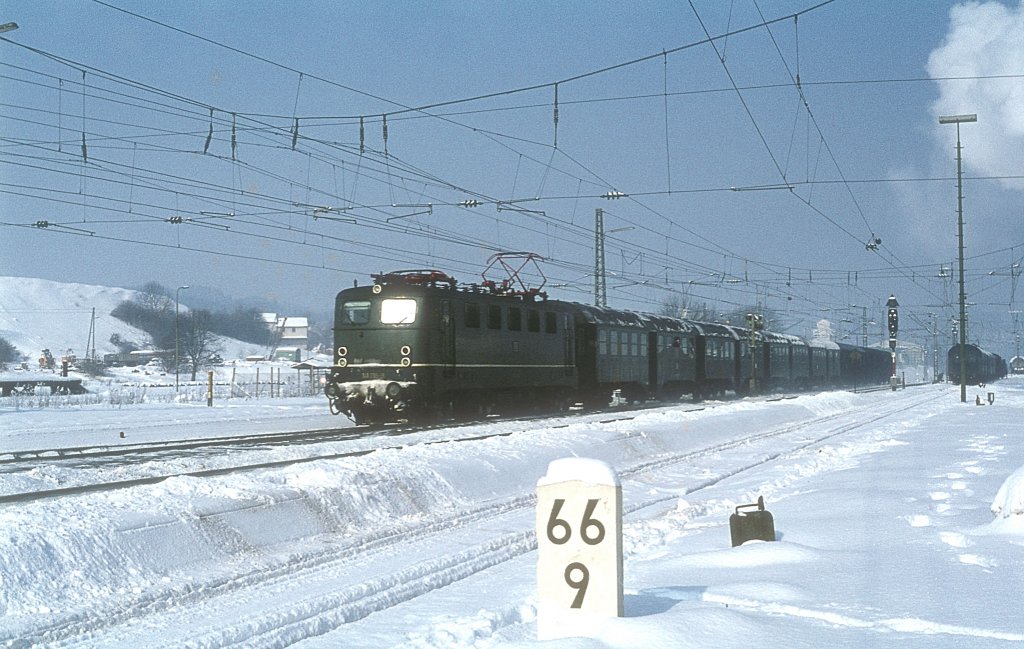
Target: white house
290,334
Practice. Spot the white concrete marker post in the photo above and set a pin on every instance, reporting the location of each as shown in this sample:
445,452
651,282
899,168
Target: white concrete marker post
579,547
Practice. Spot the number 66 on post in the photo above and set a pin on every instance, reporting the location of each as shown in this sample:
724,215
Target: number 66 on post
579,547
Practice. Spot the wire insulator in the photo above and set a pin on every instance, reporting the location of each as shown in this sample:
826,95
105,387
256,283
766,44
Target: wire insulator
209,136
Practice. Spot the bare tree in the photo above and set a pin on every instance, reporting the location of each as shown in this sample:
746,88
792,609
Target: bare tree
681,305
199,346
156,298
772,318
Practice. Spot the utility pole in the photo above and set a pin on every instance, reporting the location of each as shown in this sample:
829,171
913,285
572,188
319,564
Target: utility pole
864,325
600,281
958,119
755,322
177,292
935,349
90,343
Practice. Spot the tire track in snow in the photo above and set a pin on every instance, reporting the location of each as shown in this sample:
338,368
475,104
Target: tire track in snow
900,625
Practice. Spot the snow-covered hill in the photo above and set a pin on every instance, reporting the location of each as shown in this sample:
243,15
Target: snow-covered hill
37,314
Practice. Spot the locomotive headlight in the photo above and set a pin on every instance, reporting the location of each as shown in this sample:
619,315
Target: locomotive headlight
342,362
376,289
406,350
406,362
393,390
343,351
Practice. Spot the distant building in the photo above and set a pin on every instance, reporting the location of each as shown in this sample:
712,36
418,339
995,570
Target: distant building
908,353
1017,365
289,335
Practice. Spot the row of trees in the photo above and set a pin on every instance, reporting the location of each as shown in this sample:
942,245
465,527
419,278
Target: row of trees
682,306
153,311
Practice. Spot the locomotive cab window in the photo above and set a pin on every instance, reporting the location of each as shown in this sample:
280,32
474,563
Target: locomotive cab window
397,311
355,312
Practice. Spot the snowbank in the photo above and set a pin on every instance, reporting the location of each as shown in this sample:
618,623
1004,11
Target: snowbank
1008,506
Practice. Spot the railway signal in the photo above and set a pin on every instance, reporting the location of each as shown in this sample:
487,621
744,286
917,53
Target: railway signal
894,327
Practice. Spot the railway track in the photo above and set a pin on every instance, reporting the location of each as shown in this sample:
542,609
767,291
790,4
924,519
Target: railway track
98,459
341,583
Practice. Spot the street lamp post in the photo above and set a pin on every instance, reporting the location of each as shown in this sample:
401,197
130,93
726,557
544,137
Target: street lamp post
177,292
958,119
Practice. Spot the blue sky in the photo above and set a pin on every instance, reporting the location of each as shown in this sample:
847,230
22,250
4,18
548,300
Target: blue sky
741,188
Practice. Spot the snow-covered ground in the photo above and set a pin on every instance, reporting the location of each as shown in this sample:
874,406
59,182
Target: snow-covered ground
899,517
38,314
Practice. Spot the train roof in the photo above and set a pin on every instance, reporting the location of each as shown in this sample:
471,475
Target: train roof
819,343
866,350
716,330
956,349
613,317
743,333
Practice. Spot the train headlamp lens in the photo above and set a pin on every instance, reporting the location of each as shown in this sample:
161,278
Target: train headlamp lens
393,390
406,350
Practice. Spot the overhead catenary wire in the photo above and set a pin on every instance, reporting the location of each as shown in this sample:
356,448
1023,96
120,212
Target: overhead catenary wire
273,131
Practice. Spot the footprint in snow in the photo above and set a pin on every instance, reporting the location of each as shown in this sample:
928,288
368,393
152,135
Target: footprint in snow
955,539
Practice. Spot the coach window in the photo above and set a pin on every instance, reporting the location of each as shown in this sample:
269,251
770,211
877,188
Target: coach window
602,342
355,312
533,320
494,317
472,316
550,322
515,319
643,345
397,311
